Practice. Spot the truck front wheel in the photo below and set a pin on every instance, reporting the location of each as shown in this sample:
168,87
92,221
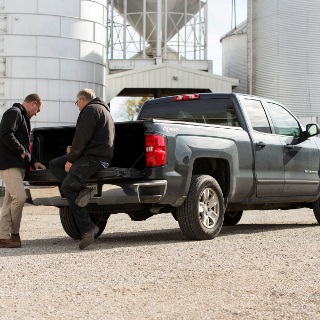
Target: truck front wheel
231,218
316,209
70,227
200,217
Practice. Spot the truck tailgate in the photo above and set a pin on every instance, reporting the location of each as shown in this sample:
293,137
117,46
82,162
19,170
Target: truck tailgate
45,177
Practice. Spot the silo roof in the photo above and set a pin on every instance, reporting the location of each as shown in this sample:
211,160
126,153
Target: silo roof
239,29
179,12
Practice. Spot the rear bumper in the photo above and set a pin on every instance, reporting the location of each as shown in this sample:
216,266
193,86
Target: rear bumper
104,195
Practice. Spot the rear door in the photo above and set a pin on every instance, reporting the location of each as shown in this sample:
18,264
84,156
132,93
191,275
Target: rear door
268,151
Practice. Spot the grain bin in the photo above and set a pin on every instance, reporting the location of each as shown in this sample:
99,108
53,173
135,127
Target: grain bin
53,48
284,53
234,56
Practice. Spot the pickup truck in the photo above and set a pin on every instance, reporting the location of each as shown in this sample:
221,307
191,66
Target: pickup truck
204,158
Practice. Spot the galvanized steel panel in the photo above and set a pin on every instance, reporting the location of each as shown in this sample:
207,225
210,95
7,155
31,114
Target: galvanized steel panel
77,29
10,48
68,112
18,6
100,33
161,76
286,46
234,60
58,47
69,69
48,68
92,11
86,71
35,25
3,23
93,52
41,43
23,67
63,8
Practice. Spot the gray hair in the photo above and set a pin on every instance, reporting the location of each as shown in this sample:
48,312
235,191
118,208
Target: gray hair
86,94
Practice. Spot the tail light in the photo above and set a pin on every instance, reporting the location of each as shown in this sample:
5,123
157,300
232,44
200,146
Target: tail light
156,150
186,97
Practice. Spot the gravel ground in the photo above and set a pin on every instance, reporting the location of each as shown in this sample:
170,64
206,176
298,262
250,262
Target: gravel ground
266,267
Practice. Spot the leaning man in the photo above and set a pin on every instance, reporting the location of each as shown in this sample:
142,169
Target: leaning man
15,159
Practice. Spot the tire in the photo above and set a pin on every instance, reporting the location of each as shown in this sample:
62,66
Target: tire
316,209
231,218
72,230
200,217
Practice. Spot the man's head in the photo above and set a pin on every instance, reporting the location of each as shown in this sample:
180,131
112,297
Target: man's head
33,104
84,96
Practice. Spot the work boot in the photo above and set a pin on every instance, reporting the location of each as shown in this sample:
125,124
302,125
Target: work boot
83,197
15,237
88,238
9,243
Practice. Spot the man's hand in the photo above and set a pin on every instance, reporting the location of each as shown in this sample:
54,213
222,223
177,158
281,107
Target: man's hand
39,165
67,166
68,149
25,154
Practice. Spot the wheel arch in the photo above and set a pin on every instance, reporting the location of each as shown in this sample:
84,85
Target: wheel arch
218,168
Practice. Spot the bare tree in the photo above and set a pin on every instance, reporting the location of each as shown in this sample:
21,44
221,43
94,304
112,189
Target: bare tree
133,106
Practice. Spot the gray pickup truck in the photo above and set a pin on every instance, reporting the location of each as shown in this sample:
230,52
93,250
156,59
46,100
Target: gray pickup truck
204,158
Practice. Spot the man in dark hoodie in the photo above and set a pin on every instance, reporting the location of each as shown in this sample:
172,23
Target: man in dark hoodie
15,159
91,150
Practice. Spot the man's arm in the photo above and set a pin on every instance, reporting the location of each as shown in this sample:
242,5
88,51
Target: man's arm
84,132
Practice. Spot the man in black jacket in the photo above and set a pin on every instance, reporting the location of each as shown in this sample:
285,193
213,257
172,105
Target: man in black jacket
15,159
91,151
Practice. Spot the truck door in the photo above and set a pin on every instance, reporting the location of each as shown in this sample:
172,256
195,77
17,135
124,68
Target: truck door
301,156
268,151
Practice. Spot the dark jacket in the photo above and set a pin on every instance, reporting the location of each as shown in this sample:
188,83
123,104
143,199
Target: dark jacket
94,133
15,138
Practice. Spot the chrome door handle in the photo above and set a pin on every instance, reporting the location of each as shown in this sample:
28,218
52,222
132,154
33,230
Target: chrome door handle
260,144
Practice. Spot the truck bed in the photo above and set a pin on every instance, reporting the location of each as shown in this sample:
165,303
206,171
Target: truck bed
128,160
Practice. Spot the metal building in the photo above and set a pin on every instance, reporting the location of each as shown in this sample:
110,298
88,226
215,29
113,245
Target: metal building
53,48
116,47
234,56
283,54
159,48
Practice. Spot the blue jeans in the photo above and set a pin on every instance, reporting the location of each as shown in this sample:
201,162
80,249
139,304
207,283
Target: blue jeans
71,183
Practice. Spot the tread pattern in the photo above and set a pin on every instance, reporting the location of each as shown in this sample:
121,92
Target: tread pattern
70,227
188,215
316,209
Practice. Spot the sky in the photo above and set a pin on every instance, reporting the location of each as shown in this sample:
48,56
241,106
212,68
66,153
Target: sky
220,21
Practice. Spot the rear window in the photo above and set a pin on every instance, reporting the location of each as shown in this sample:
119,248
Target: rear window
211,111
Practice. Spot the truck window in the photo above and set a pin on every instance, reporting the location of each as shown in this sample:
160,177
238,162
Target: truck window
210,111
284,123
257,115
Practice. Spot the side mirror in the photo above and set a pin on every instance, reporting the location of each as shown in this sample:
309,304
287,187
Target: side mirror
312,129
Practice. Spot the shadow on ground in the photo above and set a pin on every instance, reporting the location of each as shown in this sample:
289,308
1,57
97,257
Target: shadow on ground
136,239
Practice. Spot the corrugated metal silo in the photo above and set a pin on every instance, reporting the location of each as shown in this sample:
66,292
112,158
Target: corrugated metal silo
283,59
53,48
234,56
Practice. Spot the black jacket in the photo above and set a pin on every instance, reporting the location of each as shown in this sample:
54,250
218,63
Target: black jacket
15,138
94,133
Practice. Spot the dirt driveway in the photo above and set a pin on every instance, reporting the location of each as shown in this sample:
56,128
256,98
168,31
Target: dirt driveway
267,267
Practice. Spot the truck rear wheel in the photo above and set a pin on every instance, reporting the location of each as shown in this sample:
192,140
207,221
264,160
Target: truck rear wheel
231,218
316,209
200,217
70,227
